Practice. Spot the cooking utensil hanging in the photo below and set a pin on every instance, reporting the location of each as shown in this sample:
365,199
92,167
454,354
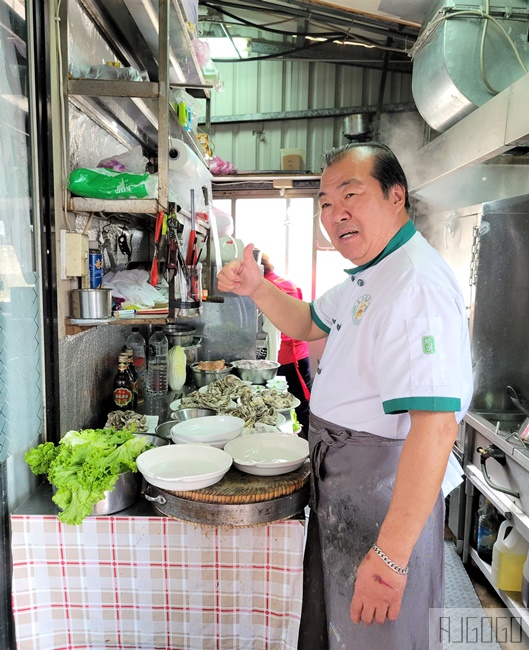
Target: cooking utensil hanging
191,259
157,234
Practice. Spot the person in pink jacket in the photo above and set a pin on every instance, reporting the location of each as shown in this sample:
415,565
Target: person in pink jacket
293,354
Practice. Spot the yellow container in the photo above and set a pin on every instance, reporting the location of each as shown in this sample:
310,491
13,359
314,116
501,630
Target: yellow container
508,556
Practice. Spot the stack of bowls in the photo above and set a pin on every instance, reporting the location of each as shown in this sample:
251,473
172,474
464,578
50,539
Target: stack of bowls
215,430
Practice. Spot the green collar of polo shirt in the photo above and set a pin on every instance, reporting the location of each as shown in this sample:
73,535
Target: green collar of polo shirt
399,239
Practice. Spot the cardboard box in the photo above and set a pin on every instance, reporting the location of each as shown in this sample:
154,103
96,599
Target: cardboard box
292,159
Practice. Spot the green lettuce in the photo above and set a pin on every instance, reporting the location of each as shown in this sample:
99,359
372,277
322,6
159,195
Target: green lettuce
84,465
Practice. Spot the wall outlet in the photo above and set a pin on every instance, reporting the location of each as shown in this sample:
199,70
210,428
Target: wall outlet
74,255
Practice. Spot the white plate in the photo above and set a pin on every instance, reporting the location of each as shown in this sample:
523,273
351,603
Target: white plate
183,467
152,423
268,454
214,428
174,406
295,405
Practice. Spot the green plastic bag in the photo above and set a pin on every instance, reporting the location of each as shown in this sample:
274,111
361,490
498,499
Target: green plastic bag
102,183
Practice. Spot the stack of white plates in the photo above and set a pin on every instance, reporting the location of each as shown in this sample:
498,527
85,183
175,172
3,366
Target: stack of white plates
215,430
268,454
183,467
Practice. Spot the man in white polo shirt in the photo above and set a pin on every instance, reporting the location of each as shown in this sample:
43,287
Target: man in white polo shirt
392,384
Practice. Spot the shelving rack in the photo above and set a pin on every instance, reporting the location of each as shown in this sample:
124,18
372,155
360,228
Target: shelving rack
506,505
142,109
150,36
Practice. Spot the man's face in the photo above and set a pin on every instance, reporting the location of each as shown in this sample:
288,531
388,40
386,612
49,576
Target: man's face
356,216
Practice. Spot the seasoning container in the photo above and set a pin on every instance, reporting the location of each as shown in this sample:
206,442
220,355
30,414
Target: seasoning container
95,265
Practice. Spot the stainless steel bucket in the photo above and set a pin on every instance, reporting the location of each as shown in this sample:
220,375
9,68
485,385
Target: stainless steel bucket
126,492
92,303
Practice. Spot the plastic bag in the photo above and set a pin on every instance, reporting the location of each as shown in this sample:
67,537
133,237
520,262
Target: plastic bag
132,161
219,167
133,285
202,51
104,71
104,183
224,223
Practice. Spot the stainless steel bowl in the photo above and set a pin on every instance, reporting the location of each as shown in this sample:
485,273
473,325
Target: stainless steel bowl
179,334
163,430
205,377
257,375
126,492
191,413
154,440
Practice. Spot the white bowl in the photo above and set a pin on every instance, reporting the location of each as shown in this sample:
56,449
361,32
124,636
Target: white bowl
184,441
215,428
183,467
268,454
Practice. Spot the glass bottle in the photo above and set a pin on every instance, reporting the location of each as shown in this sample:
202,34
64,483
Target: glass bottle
133,376
157,363
137,344
122,393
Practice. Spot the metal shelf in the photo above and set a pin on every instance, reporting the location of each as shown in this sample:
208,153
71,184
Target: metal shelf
124,206
78,325
130,110
512,599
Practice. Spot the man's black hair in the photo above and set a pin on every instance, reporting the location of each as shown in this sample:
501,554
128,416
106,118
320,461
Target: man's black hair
386,168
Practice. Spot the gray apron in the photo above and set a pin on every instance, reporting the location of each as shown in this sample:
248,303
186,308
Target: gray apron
352,479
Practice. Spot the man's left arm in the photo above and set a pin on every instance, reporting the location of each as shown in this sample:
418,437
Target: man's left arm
421,469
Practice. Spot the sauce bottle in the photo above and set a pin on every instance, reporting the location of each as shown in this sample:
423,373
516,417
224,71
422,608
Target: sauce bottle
122,393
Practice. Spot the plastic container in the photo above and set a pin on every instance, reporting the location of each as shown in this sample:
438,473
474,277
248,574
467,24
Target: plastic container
525,583
487,533
508,557
137,344
157,363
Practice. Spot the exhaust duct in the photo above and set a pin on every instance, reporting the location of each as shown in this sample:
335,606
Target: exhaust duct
465,55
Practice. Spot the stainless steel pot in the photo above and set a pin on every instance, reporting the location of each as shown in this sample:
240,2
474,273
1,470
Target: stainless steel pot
92,303
126,492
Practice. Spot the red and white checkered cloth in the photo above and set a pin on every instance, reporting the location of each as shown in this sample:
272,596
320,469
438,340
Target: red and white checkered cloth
149,583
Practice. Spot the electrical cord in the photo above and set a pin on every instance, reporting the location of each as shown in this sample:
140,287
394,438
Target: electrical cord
248,23
482,52
274,56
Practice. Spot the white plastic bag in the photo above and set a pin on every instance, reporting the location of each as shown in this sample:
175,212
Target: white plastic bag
133,285
132,161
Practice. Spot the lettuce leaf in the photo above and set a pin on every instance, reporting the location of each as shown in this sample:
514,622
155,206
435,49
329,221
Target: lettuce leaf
84,465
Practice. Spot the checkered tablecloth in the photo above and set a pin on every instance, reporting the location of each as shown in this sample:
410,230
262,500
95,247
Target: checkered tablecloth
150,583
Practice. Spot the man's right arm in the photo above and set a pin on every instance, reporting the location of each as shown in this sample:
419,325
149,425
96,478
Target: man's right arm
290,315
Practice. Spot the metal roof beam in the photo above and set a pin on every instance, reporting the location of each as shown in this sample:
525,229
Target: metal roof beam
309,114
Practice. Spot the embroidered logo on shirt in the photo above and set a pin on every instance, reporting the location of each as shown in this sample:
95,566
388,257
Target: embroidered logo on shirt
428,345
360,307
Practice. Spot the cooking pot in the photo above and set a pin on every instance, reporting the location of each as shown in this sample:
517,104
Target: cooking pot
92,303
